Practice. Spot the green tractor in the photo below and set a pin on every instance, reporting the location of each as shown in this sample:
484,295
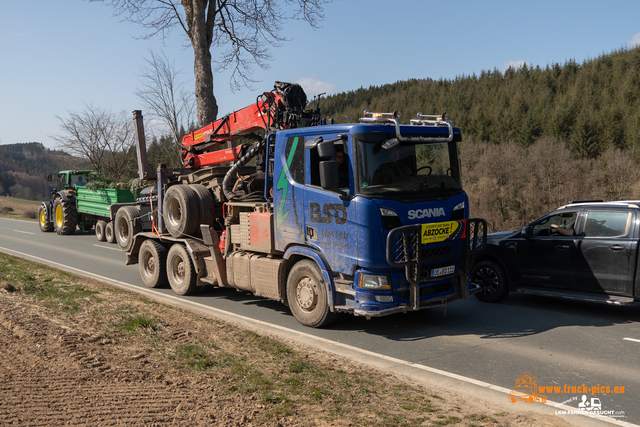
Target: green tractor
61,212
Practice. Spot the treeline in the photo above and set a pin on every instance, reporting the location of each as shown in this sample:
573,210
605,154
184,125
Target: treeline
591,106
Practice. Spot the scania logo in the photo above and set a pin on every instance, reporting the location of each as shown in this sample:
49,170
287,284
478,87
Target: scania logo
425,213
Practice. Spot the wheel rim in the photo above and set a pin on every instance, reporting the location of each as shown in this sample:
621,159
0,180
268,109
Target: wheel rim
43,219
306,296
173,213
178,269
149,264
489,279
123,230
59,216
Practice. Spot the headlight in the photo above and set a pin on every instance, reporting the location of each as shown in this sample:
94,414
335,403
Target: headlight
459,206
388,212
372,281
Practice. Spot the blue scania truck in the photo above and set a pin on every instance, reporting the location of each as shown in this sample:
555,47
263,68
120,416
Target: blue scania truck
366,218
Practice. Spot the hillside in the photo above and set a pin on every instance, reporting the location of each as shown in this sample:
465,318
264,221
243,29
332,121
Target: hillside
24,169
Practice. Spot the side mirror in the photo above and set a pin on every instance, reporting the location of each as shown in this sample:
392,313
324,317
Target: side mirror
49,177
329,174
526,232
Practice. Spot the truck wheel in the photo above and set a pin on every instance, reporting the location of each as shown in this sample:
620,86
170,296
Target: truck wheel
205,203
65,217
307,295
45,224
126,225
152,262
109,234
493,279
100,230
181,211
180,271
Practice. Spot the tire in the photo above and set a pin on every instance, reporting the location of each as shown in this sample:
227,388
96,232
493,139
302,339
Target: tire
46,226
205,203
307,295
126,225
493,279
100,230
109,234
65,217
181,211
152,263
180,271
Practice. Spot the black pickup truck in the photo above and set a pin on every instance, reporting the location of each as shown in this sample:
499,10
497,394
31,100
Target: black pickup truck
583,250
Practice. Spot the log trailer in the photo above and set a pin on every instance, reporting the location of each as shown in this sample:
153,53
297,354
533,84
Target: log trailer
385,231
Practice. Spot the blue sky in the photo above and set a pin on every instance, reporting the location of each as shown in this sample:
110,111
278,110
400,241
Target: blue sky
58,56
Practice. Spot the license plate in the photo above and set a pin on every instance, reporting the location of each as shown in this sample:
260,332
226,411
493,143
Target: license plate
436,272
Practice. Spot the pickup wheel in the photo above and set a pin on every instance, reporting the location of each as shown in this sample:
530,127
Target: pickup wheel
46,225
180,271
493,279
109,234
152,262
65,217
100,230
181,210
126,225
307,295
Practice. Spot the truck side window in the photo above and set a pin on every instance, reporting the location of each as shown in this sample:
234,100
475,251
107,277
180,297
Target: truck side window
296,168
607,224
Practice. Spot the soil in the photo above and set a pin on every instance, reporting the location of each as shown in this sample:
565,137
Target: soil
63,363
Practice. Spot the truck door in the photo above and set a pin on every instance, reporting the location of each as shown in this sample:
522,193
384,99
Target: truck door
605,253
546,257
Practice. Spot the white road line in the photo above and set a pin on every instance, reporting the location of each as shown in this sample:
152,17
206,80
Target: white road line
107,247
307,337
631,339
25,232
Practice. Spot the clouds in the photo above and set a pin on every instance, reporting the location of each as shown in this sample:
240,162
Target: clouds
514,64
313,86
635,41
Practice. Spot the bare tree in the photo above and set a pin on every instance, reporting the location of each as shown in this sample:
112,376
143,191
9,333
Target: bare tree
165,97
244,30
101,136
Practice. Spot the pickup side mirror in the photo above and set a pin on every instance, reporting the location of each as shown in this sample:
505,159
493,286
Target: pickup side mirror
526,232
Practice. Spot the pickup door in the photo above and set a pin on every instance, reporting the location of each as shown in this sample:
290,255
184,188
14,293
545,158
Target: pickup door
606,252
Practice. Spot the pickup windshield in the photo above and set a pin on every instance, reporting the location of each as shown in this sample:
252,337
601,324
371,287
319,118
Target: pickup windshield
391,168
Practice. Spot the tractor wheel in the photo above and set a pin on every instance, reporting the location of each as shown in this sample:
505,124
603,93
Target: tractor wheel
152,262
180,271
181,211
100,230
109,233
205,202
65,217
126,225
45,223
307,295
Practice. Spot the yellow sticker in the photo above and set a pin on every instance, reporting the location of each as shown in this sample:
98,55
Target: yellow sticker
198,136
439,231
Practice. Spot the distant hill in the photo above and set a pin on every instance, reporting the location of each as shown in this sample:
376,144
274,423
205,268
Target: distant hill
24,169
591,106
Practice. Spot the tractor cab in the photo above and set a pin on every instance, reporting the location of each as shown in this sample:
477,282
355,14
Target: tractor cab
70,180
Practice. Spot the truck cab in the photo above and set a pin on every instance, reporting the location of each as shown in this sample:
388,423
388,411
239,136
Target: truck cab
395,179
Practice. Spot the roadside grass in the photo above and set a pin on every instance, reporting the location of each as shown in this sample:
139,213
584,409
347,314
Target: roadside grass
287,382
19,208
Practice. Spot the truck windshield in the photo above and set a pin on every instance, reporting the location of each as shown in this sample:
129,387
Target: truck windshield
408,170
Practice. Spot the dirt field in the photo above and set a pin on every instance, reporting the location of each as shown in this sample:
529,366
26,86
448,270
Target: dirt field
76,352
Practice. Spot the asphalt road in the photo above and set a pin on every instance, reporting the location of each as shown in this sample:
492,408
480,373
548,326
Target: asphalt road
560,342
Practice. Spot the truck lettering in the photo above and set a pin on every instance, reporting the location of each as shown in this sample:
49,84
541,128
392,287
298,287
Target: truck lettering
425,213
325,215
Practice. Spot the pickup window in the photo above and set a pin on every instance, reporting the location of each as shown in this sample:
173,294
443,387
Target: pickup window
607,224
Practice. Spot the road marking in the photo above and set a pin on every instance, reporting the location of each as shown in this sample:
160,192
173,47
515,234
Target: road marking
25,232
631,339
107,247
308,337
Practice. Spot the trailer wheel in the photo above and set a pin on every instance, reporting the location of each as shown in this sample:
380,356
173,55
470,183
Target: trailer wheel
307,295
205,203
126,225
100,230
181,211
109,234
46,225
65,217
152,263
180,271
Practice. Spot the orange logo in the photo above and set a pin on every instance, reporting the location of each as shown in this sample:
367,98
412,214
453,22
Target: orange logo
526,389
